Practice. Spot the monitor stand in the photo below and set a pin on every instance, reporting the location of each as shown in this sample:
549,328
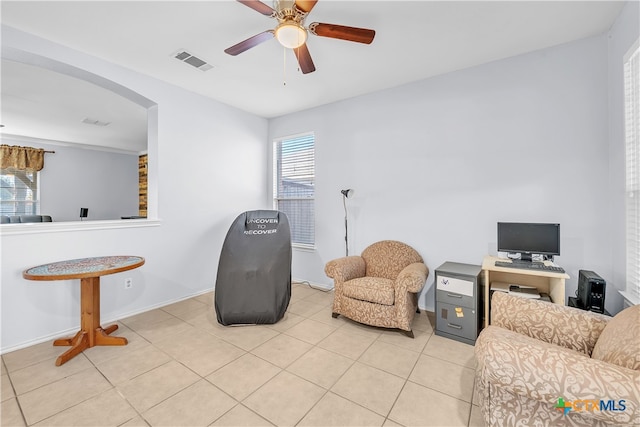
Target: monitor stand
526,257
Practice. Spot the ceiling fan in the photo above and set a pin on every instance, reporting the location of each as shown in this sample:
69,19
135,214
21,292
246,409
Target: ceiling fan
292,33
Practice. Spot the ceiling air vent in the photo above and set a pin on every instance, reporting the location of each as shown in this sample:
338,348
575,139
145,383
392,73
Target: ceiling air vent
95,122
194,61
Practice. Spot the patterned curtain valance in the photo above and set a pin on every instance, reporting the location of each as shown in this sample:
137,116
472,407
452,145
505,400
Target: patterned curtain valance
21,158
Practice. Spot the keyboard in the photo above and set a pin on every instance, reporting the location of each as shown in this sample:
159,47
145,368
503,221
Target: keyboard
525,265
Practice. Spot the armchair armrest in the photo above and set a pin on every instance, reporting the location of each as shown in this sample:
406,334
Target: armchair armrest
534,370
568,327
345,268
412,277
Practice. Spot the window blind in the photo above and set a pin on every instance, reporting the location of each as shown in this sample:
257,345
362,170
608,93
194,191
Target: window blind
18,192
294,185
632,166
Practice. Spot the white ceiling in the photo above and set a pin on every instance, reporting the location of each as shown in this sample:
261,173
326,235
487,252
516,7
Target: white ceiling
43,104
414,40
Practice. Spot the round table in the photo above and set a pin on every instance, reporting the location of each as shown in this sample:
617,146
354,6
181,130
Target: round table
88,270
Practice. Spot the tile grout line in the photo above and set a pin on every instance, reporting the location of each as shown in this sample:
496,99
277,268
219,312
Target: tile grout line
311,298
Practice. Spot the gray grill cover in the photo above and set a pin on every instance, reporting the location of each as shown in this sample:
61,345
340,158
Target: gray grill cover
254,273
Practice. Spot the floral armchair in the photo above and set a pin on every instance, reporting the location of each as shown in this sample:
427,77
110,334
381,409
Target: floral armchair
379,288
545,364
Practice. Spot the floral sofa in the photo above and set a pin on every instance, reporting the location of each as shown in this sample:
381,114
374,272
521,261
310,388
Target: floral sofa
543,364
379,288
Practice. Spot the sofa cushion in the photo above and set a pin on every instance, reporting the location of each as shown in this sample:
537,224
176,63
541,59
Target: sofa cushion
620,340
553,323
371,289
14,219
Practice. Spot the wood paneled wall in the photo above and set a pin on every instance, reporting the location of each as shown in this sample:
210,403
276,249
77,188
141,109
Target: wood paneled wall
142,185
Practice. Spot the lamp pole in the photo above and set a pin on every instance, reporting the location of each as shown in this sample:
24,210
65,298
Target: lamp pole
345,195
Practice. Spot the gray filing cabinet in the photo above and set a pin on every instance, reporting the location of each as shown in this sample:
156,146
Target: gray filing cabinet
458,301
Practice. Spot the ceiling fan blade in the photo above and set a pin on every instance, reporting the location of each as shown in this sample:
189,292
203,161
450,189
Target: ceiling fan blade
249,43
304,59
360,35
306,5
258,6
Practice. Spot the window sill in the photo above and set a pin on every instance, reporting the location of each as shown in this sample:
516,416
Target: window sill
303,248
629,297
63,227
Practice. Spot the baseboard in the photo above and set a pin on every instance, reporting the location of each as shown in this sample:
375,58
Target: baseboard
70,332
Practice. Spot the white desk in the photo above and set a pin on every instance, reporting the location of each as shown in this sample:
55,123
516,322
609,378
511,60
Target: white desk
547,282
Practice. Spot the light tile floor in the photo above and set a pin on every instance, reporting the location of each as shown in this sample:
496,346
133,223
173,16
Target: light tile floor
181,368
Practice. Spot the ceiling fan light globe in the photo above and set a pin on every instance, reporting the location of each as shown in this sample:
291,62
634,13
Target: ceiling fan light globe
291,35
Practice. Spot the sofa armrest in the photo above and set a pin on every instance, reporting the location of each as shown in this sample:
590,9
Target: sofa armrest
412,277
345,268
552,323
544,372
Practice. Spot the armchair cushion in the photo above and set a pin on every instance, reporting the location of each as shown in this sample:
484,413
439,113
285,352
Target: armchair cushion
552,323
371,289
388,258
619,343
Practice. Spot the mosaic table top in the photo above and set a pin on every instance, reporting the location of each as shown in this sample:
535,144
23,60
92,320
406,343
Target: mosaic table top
83,267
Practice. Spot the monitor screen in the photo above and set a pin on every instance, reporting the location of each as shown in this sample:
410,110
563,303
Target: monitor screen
529,238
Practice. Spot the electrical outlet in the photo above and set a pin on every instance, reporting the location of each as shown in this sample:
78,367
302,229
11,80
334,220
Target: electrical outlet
128,283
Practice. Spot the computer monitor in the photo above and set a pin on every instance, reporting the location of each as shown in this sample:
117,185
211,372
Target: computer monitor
529,238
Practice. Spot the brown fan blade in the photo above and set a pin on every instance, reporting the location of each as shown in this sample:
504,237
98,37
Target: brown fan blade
258,6
360,35
304,59
249,43
306,5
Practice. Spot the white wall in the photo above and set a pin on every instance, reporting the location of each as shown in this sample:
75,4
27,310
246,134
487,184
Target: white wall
435,163
624,33
104,182
208,166
438,162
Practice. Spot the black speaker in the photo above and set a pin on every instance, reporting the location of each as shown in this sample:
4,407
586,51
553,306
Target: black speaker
84,212
591,291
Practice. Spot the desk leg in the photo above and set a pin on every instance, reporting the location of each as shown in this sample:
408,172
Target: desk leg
91,333
487,298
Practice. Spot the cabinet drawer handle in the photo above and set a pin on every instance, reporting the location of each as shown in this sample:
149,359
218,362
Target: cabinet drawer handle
451,325
454,295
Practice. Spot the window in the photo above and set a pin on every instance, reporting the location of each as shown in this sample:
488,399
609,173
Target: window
294,183
18,192
632,142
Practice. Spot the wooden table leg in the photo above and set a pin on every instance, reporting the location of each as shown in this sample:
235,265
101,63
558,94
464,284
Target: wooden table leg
79,343
90,307
67,341
102,337
91,333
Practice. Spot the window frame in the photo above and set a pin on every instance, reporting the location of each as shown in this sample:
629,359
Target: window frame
276,197
34,191
631,88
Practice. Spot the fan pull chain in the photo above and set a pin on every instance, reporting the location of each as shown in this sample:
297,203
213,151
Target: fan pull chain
284,66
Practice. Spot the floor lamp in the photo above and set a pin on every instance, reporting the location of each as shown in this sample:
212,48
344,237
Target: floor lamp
346,194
